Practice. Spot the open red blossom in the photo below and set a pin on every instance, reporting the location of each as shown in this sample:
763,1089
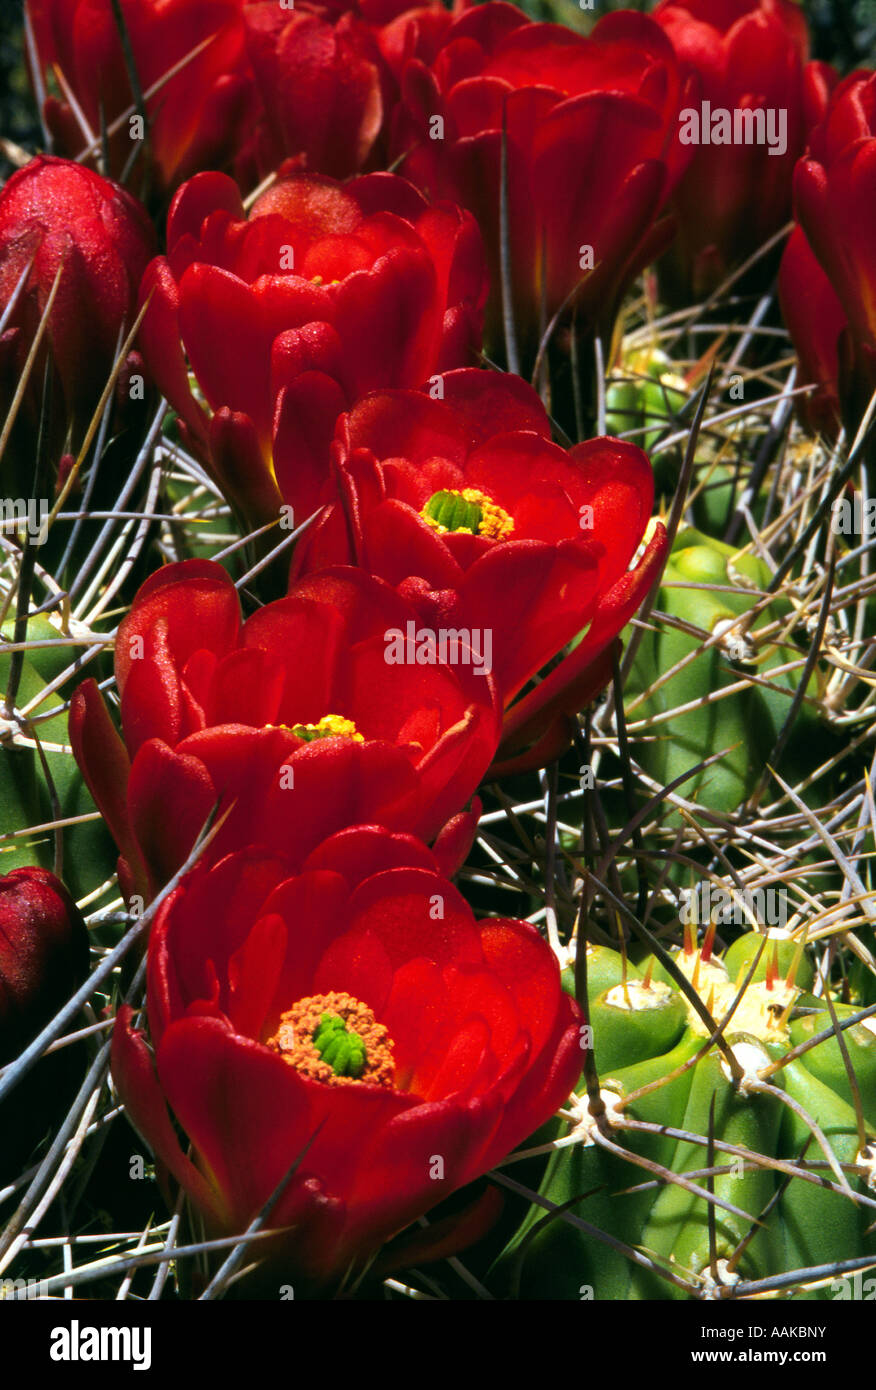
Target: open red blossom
835,202
61,221
350,1017
590,131
749,56
192,71
295,717
286,317
466,506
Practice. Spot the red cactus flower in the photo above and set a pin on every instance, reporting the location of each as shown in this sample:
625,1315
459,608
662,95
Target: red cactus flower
835,200
749,55
66,222
324,293
192,71
296,717
358,997
43,954
591,139
466,504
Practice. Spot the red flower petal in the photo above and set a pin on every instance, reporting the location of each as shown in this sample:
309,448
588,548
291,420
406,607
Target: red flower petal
359,851
104,763
160,778
134,1075
415,913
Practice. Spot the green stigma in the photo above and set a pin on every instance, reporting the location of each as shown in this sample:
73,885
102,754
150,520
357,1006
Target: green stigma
344,1051
330,726
453,512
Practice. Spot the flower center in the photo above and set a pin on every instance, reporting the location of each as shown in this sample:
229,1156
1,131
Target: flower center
335,1039
469,510
330,726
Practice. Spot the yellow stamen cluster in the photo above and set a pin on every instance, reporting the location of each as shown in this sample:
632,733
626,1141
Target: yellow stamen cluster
330,726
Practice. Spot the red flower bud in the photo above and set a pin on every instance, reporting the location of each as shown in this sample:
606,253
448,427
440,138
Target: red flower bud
815,320
286,317
591,137
65,221
835,201
357,997
301,717
749,57
192,70
322,86
43,954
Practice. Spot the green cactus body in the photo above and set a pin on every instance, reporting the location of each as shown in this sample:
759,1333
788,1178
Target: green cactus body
631,1020
745,723
676,745
678,1228
825,1060
711,508
635,1021
808,1224
46,662
623,407
605,968
650,397
820,1226
861,980
557,1261
89,855
779,946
